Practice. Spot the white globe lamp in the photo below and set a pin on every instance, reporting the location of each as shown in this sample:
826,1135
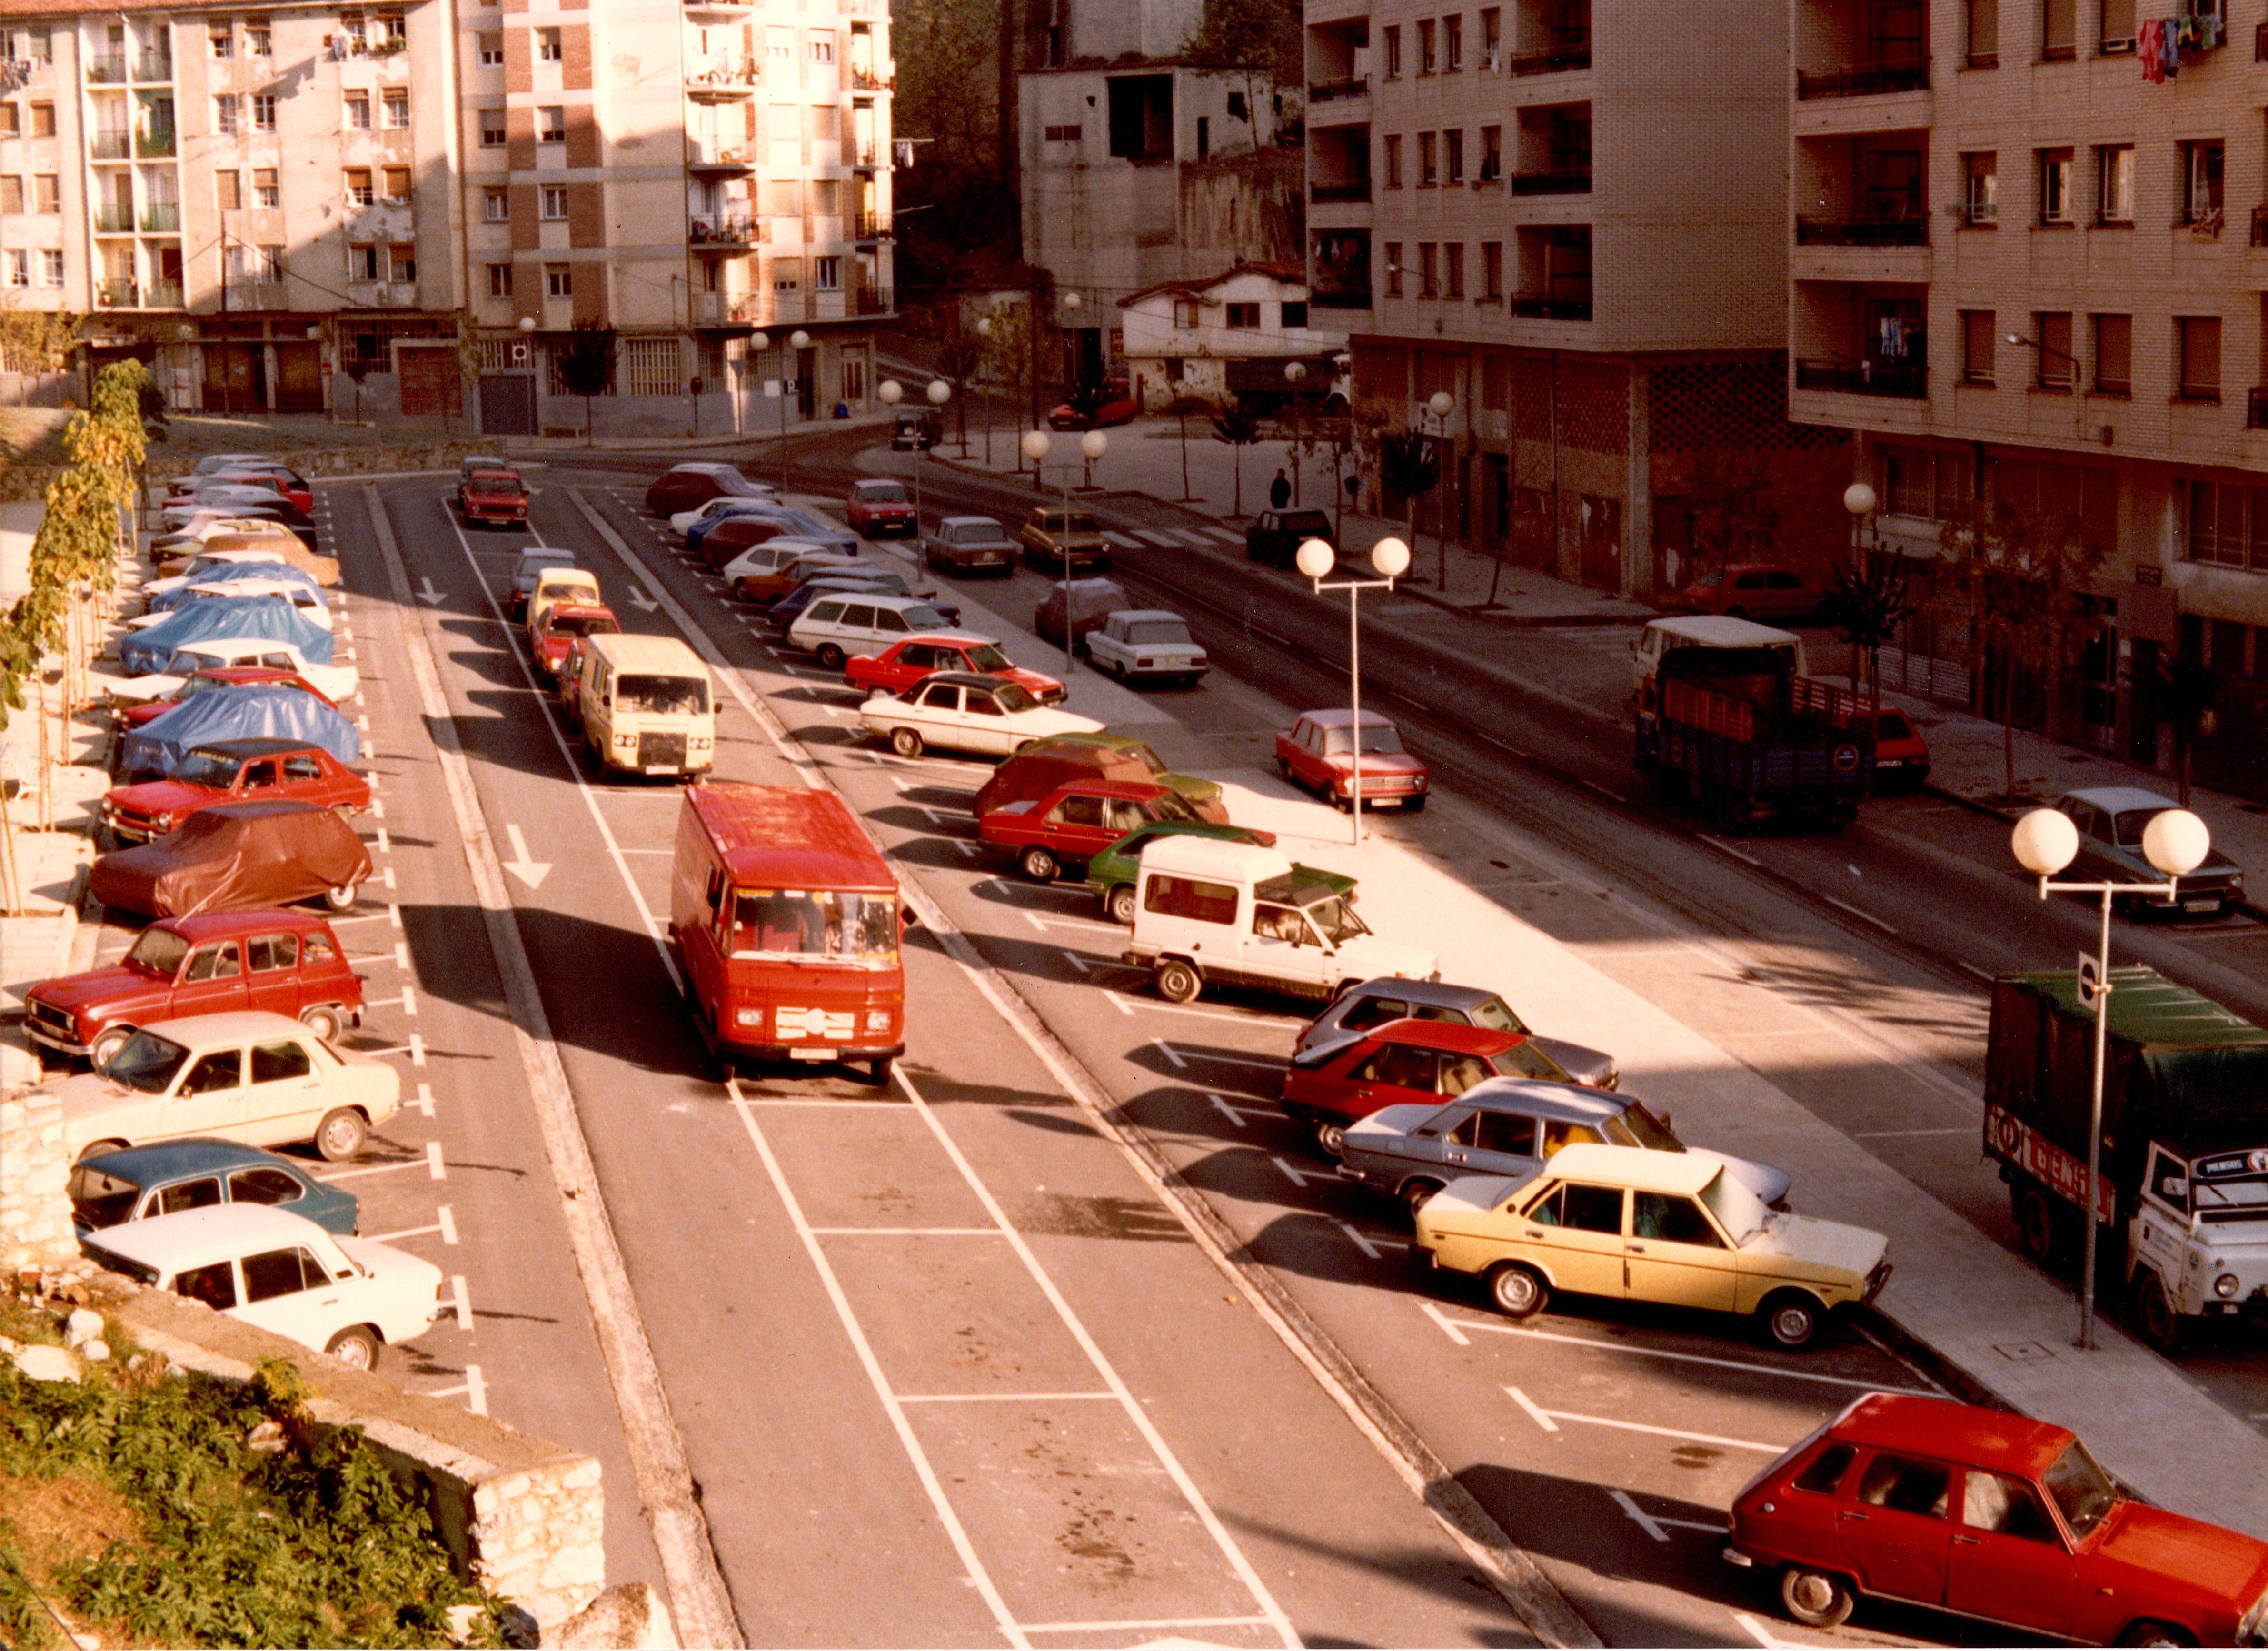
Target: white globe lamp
1441,403
891,392
2177,842
2044,842
1035,445
1316,558
1390,557
1859,499
1094,445
938,392
760,342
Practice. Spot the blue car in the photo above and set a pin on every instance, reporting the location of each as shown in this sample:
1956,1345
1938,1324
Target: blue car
841,540
162,1179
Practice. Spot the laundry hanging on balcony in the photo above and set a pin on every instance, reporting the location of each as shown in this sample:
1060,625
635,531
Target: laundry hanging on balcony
1893,338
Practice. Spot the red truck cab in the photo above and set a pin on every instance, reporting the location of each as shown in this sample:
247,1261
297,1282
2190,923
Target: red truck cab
215,962
493,496
902,664
787,922
233,771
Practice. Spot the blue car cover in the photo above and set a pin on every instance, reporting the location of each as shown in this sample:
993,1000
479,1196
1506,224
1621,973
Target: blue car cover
229,573
229,619
256,711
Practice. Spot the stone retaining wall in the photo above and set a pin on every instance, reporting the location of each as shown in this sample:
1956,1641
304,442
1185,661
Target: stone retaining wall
30,481
35,1215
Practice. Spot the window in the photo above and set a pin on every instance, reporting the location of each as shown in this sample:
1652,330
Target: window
555,202
1390,52
1826,1470
2114,183
826,275
360,191
1992,1502
1063,134
19,267
551,123
1905,1485
1429,275
2197,346
2227,524
1185,314
278,1272
1428,49
263,1186
357,34
264,189
46,195
358,111
397,111
491,51
1976,342
492,128
1491,272
1394,268
2114,355
1428,159
1980,197
263,111
213,1284
558,281
1188,897
280,1062
1590,1209
392,33
11,119
1293,313
260,39
1394,160
228,193
397,185
1453,44
272,952
1452,268
362,262
225,109
43,120
1243,317
822,49
401,262
1672,1220
51,266
2201,183
224,42
2051,331
1491,153
1454,161
499,280
2117,26
2059,31
547,47
1506,1132
2055,186
1491,38
1984,34
222,1069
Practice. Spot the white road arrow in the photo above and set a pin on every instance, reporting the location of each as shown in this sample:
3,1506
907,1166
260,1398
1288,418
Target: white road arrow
640,599
428,594
530,872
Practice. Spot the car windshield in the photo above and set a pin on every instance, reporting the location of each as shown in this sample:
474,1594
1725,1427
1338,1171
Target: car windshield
1156,633
883,493
498,484
977,533
1078,521
187,663
1014,697
663,696
1307,521
1892,725
1738,1210
1636,1127
1381,739
559,625
147,1063
2081,1489
814,923
200,685
924,617
1332,914
985,657
1494,1014
160,951
2132,823
215,768
100,1199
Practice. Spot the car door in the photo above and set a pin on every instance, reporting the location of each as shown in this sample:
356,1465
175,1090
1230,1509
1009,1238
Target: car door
209,1100
853,628
1279,948
212,981
2006,1561
1495,1143
1391,1074
907,665
284,1098
258,778
1080,826
987,727
306,778
1577,1232
1894,1526
287,1292
1677,1255
272,975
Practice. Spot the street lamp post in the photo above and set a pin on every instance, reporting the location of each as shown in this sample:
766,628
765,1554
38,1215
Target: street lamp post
1316,559
761,341
1858,500
2044,842
985,331
2078,395
1440,404
938,393
1293,373
1092,445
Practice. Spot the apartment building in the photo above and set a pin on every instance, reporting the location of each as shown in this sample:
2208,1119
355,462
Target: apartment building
1560,213
2027,256
1137,167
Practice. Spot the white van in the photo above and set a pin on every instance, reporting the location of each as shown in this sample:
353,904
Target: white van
836,627
1707,630
1234,913
646,705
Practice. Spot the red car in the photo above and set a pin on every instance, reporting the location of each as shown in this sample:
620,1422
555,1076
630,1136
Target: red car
235,770
1751,589
286,961
1073,823
1901,754
1118,408
905,663
1404,1061
288,484
1318,754
565,623
1994,1516
875,508
691,485
213,677
493,496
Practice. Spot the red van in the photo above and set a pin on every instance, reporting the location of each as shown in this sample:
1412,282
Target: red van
786,919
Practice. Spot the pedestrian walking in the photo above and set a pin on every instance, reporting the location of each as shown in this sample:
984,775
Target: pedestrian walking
1279,491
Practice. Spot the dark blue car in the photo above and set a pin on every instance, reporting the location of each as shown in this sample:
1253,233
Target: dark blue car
169,1177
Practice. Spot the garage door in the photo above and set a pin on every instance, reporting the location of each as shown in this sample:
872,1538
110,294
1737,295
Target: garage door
299,377
431,383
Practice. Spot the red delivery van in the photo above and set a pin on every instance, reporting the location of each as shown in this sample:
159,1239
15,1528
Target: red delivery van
786,920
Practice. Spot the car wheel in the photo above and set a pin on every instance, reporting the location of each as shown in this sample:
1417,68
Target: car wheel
1817,1599
1040,865
1517,1292
356,1348
341,1134
1415,1193
323,1020
1793,1319
95,1149
106,1044
906,741
830,656
1736,613
1177,982
1330,1138
2161,1326
340,899
2149,1631
1120,903
2036,1226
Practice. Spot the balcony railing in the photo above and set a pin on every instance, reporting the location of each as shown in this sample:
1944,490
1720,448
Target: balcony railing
1327,91
117,294
2256,407
113,220
1867,80
1345,299
109,70
724,229
1553,181
1571,54
154,66
1542,309
865,154
1902,379
1861,231
161,217
867,80
111,146
165,295
707,151
873,301
156,145
1329,193
870,226
732,80
2260,226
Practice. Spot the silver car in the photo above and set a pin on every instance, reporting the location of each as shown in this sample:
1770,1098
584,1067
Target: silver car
1375,1002
969,544
2111,819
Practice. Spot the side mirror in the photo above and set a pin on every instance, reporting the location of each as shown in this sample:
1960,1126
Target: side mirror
909,917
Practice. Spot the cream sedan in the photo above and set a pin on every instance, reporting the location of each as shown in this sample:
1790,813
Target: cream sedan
250,1076
1628,1223
958,710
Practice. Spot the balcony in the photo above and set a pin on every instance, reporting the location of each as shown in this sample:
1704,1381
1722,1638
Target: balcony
113,220
154,145
118,292
723,232
724,84
1864,81
1339,194
165,295
870,226
161,217
725,11
707,154
1331,90
1549,309
107,69
1562,58
111,146
247,292
725,309
156,67
1907,380
1553,181
867,80
872,301
865,153
1861,231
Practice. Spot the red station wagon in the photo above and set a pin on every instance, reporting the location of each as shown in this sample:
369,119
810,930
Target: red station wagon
1406,1061
235,770
215,963
1994,1516
1075,822
875,508
1318,754
493,496
905,663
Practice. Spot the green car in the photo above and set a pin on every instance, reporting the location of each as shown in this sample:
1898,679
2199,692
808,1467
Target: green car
1111,874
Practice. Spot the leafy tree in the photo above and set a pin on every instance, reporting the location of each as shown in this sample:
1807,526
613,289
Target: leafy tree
586,365
35,341
1258,41
1410,464
1868,599
1236,425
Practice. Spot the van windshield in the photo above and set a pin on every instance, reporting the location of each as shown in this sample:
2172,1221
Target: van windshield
814,923
1334,915
663,696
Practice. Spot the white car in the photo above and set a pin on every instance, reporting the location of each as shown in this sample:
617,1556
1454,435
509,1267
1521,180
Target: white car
207,561
959,710
308,598
724,504
337,683
1147,645
836,626
763,561
220,495
249,1075
347,1297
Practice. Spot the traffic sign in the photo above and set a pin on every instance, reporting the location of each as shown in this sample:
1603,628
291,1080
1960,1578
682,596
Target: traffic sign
2090,980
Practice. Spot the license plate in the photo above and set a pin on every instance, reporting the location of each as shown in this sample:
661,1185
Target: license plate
813,1054
2200,905
1889,762
661,768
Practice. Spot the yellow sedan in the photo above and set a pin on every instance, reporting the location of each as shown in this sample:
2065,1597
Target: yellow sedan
1674,1228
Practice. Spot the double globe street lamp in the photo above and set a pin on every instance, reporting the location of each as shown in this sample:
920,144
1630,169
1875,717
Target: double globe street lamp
938,394
2045,841
1316,559
1092,445
798,340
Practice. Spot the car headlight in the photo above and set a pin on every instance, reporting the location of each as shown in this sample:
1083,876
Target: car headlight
2225,1286
749,1017
700,743
625,741
163,821
878,1020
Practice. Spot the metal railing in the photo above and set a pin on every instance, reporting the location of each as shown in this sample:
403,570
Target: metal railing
1865,80
707,151
870,226
113,220
1900,379
867,80
165,295
724,78
107,69
865,154
1567,56
111,146
1327,193
162,217
724,229
2256,407
118,292
1553,181
154,66
1861,231
873,301
1327,90
1542,309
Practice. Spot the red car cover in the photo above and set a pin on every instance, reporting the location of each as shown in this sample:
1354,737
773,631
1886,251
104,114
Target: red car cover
233,856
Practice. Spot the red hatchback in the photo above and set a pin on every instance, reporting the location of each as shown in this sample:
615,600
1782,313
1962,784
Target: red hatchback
1994,1516
217,963
905,663
875,508
235,770
1318,753
690,485
1901,753
497,496
218,676
1119,407
1751,589
1073,823
1404,1061
566,623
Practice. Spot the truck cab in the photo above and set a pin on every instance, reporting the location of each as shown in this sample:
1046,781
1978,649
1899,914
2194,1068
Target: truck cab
1664,637
2198,1245
645,706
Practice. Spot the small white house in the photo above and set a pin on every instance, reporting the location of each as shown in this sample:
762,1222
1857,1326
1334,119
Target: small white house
1228,334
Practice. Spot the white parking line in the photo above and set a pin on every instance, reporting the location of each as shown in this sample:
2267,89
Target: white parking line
1454,1329
1301,1177
415,1048
473,1386
377,1170
1126,1005
459,1301
406,1001
425,1101
1224,535
1370,1246
1215,1056
1149,1622
1548,1420
1659,1526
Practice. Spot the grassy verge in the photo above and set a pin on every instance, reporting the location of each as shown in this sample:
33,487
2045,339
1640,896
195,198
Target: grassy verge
177,1510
